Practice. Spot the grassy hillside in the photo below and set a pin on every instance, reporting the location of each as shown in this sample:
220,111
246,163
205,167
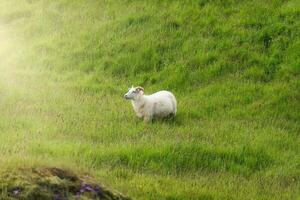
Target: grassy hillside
234,67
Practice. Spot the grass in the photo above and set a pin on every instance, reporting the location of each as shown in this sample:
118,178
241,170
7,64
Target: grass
233,66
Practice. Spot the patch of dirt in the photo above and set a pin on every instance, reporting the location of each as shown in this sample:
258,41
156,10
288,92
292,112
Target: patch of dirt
52,183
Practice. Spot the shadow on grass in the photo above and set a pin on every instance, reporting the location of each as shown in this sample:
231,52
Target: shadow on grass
174,120
181,158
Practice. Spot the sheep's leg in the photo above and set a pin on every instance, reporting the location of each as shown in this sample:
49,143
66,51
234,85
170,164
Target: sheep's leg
147,118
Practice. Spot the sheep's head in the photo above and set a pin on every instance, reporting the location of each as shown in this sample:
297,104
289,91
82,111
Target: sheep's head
134,93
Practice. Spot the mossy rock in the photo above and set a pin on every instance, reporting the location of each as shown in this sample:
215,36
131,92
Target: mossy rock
52,183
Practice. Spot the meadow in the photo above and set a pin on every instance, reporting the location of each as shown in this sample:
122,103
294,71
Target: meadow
234,67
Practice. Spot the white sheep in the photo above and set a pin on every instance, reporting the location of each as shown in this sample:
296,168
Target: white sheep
158,105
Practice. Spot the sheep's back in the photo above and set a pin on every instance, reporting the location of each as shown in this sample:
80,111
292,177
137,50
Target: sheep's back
164,103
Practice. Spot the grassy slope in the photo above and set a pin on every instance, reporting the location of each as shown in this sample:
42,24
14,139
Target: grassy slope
233,65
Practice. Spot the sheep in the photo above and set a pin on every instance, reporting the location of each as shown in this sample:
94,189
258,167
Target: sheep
158,105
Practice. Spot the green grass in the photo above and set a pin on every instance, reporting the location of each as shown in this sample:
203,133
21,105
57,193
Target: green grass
234,67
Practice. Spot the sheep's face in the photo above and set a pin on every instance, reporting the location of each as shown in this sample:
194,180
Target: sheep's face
134,93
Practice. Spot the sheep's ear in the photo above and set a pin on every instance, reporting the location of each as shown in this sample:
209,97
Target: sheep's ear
140,89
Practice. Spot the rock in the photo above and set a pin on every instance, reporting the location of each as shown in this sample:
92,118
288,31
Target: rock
52,183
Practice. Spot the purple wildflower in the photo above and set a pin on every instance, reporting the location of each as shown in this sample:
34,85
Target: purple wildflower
88,187
57,197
